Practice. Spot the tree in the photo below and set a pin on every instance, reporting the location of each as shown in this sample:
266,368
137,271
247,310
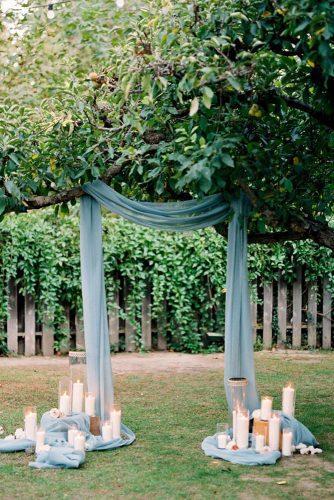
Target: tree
170,100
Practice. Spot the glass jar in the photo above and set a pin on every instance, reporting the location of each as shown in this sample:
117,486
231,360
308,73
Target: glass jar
237,387
222,435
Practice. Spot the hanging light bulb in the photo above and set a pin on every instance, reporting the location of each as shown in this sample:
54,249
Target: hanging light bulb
120,3
50,12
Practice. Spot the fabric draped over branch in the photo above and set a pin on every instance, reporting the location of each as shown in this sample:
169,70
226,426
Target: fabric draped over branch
172,216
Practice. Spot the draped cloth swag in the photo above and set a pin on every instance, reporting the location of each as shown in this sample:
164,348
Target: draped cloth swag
174,216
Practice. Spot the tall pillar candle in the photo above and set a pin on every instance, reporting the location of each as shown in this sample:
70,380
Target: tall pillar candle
115,420
242,429
288,400
30,423
234,425
77,396
90,404
259,442
287,442
274,431
266,407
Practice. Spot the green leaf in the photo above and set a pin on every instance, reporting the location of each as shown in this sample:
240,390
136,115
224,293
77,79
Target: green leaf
234,83
194,106
3,204
227,159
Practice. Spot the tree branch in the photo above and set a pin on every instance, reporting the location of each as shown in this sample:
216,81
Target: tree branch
69,194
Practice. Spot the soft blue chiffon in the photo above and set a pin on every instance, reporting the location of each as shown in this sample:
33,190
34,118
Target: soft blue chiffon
174,216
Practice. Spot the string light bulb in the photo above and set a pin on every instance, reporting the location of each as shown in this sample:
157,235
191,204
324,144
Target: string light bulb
50,14
120,3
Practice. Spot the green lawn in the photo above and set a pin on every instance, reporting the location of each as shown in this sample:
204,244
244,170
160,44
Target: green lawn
171,414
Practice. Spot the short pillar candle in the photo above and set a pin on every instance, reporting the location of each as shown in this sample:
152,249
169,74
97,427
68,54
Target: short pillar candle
40,439
287,442
30,422
72,432
90,404
79,441
266,407
222,435
106,431
65,393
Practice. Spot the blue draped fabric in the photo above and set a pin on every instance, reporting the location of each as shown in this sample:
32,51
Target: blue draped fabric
173,216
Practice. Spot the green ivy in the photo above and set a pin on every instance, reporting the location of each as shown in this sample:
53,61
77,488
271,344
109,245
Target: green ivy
185,271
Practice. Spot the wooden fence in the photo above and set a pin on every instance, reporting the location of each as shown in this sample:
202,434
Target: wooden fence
298,315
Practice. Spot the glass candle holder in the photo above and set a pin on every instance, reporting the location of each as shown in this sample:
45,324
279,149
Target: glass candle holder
80,441
40,438
30,422
266,407
90,404
65,396
222,436
106,430
289,399
237,386
77,361
258,441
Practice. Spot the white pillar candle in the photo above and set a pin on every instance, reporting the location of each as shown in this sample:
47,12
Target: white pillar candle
107,431
259,442
77,398
288,400
40,439
115,420
242,429
266,407
286,442
30,425
234,425
72,432
65,404
79,441
90,405
274,432
222,440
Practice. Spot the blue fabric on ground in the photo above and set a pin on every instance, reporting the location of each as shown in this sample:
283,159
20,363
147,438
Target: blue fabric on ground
242,457
59,458
301,434
15,445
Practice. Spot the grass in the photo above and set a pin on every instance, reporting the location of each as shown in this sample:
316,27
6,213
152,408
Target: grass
171,413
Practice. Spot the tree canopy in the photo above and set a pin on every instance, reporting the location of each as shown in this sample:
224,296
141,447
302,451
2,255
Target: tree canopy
171,100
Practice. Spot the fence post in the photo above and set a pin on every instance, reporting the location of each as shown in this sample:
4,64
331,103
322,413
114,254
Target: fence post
267,315
282,309
312,315
47,337
161,327
146,322
79,332
297,310
254,312
30,326
12,324
114,323
130,343
326,318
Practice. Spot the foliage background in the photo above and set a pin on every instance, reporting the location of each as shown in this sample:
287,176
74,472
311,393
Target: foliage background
41,251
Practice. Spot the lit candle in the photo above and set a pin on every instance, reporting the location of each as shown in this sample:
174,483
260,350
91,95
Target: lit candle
77,397
72,432
274,431
259,442
79,441
115,420
30,425
266,407
288,400
65,404
40,439
90,404
242,429
286,442
107,431
234,426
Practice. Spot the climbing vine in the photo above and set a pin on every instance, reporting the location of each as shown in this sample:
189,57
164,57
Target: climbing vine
186,273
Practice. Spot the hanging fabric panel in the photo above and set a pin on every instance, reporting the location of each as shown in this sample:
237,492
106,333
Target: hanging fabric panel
175,216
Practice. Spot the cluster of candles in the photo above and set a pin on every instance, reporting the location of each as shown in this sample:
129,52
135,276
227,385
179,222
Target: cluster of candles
266,426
